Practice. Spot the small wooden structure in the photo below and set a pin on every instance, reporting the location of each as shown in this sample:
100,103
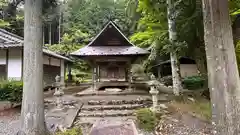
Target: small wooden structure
110,54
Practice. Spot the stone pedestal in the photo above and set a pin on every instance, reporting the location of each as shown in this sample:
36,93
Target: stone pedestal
59,101
154,92
59,93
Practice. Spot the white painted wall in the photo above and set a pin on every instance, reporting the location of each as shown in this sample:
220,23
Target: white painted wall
15,64
46,59
188,70
55,62
3,58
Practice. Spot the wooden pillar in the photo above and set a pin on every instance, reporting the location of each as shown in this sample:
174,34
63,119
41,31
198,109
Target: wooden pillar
94,77
126,74
69,73
98,73
129,75
93,83
159,71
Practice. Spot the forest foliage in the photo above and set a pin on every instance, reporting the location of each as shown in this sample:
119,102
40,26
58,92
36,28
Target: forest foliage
143,21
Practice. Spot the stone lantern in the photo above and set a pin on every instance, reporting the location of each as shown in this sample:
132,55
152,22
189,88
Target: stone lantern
58,92
154,92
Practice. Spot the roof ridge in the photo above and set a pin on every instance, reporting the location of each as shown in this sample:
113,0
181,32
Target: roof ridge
105,27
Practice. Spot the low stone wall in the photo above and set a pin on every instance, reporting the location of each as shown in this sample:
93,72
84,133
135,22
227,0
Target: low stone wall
5,105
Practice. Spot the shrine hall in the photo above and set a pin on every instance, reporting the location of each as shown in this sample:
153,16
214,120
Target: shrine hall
110,54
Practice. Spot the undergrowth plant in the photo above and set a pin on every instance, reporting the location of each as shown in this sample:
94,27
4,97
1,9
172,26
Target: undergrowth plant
73,131
146,119
11,90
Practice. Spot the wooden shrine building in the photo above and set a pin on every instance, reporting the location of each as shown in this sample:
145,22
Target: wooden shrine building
110,54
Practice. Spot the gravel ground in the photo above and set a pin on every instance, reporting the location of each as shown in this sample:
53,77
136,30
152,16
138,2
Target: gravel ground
174,124
9,121
183,124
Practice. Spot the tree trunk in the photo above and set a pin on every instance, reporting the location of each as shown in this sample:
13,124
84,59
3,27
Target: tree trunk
222,68
32,114
50,34
176,76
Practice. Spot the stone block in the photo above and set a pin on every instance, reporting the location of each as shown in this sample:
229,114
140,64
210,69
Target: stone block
114,128
4,105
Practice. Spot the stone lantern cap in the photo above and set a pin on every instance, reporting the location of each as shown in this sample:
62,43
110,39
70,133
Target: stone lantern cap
153,81
57,78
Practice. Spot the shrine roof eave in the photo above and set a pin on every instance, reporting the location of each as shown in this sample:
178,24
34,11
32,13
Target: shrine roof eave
110,51
104,55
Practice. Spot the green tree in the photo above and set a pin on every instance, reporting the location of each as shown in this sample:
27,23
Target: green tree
12,12
189,30
2,22
91,15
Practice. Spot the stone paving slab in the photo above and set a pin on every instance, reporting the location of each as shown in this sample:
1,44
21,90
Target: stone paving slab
71,116
104,127
63,118
92,120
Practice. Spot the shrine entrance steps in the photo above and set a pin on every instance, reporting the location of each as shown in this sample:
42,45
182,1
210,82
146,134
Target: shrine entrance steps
111,107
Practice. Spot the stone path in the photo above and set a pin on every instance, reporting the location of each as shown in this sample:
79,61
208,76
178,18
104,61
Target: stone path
110,110
111,107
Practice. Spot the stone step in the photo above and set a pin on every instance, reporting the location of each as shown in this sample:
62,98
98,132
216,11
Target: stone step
119,102
106,113
89,121
109,93
114,107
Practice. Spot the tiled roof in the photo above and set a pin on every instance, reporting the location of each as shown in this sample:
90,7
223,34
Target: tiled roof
109,50
123,48
46,51
8,37
10,40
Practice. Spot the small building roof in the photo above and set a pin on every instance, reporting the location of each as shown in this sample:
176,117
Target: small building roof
182,60
10,40
110,41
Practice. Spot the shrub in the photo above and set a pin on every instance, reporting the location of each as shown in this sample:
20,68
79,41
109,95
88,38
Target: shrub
167,80
146,119
74,131
193,82
137,69
11,91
